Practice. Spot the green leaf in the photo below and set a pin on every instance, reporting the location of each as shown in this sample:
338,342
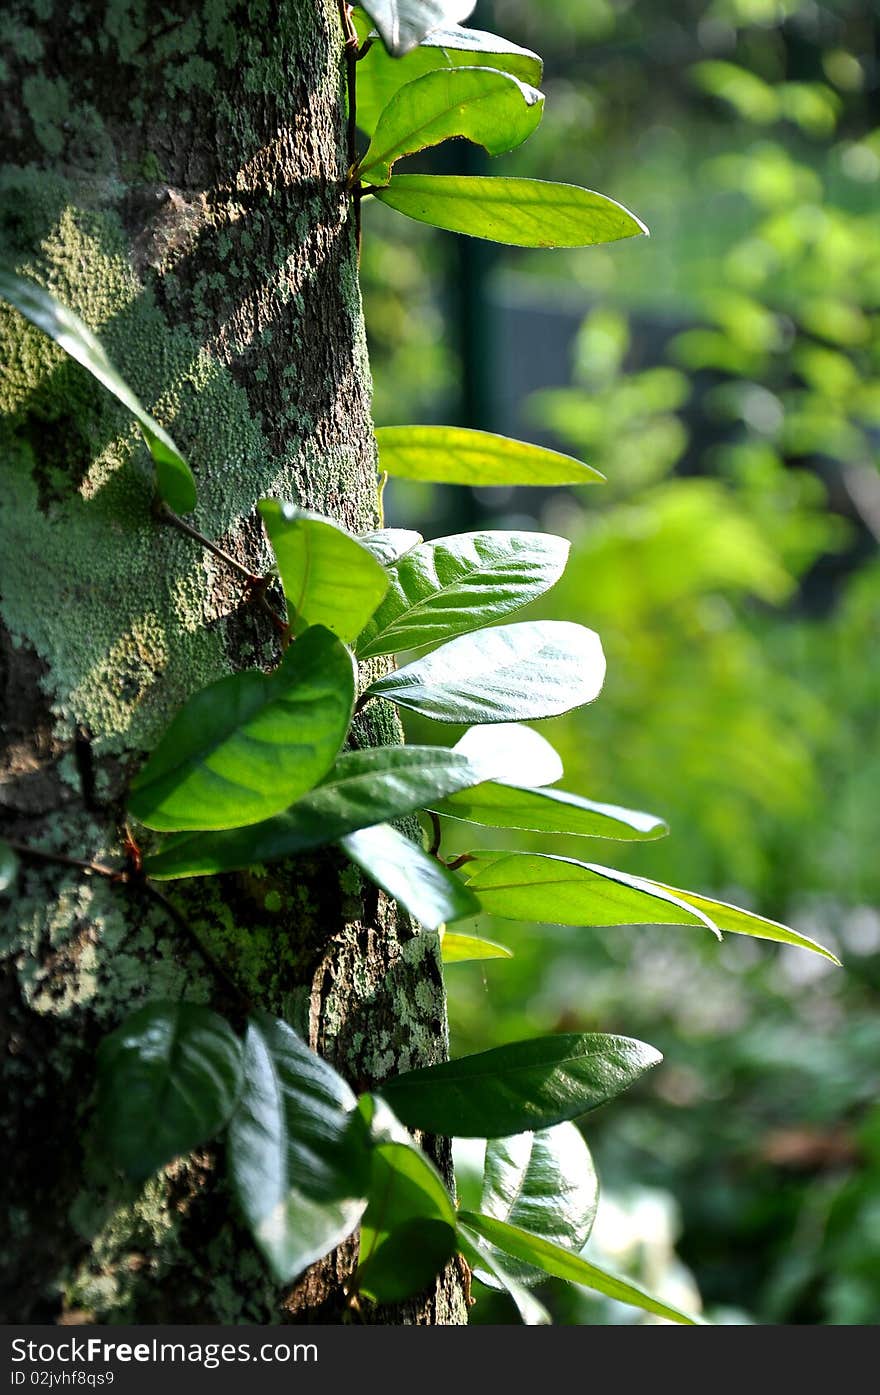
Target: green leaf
424,887
482,1258
562,891
379,75
297,1159
455,455
452,585
461,949
390,544
537,668
174,479
404,23
561,1264
519,212
247,746
740,922
487,107
408,1232
168,1079
527,1085
329,577
547,811
544,1183
506,748
8,866
385,782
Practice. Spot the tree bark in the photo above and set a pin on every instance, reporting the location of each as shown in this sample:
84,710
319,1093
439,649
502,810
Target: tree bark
176,176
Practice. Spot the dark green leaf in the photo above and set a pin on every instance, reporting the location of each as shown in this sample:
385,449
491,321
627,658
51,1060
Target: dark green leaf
740,922
247,746
383,783
390,544
168,1080
298,1160
562,891
544,1183
527,1085
461,949
452,585
560,1263
407,1260
329,577
538,668
520,212
490,108
174,478
455,455
484,1258
424,888
379,75
404,23
547,811
8,866
508,749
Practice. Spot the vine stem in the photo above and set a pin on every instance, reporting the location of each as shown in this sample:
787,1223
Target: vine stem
351,60
113,874
207,955
459,861
434,849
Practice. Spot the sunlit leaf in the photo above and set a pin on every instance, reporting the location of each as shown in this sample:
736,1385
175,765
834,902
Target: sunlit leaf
168,1079
390,544
329,577
530,670
520,212
418,881
453,585
455,455
462,949
404,23
528,1085
740,922
484,1258
247,746
507,748
500,805
174,479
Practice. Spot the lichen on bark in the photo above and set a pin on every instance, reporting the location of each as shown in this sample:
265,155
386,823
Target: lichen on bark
179,181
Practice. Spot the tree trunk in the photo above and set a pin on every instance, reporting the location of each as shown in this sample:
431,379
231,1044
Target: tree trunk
176,176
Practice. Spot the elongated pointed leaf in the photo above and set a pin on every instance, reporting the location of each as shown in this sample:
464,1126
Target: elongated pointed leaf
329,577
554,1260
462,949
544,1183
740,922
526,1086
404,23
388,545
299,1166
454,585
8,866
563,891
379,75
455,455
509,750
381,783
547,811
534,669
484,1258
487,107
247,746
519,212
168,1079
174,478
430,893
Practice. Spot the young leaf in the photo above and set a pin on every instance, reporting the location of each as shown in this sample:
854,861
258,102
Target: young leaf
247,746
490,108
740,922
455,455
379,75
329,577
8,866
388,545
544,1183
538,668
508,749
452,585
525,1086
519,212
562,891
174,479
424,888
547,811
168,1079
461,949
561,1264
298,1163
404,23
384,782
484,1258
